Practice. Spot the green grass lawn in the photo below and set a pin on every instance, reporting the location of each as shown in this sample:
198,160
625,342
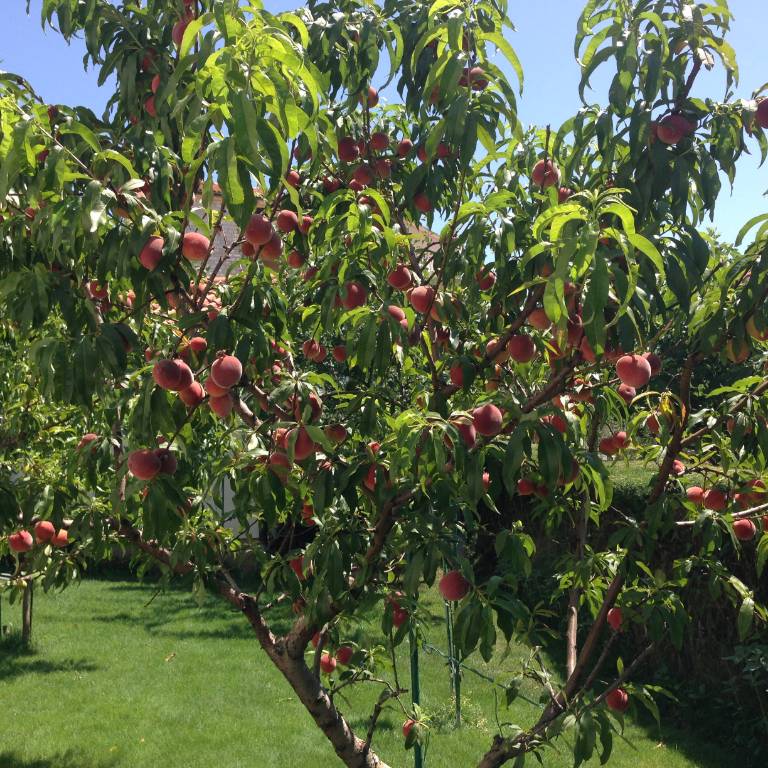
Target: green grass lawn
123,678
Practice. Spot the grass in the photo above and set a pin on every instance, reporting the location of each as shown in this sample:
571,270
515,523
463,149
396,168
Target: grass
122,677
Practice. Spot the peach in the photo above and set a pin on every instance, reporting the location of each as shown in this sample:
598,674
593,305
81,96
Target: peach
193,395
408,727
674,128
695,494
152,253
339,353
456,375
272,250
168,464
422,297
304,447
293,179
287,221
173,375
633,370
627,393
213,389
404,148
61,539
467,433
396,313
86,439
614,619
221,406
348,150
486,278
678,468
327,663
744,529
143,464
354,295
545,174
400,277
259,230
336,433
453,586
762,114
44,531
715,499
618,700
654,361
538,319
344,655
487,420
521,348
21,541
177,33
297,566
226,371
422,203
737,351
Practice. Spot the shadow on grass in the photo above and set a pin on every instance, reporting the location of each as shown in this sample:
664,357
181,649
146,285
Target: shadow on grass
26,664
68,759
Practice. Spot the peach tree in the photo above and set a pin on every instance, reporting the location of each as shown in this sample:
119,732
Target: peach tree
308,296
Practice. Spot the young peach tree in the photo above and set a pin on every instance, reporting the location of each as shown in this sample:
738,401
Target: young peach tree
322,304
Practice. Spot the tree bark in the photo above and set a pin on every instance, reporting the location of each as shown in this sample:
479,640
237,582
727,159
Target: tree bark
26,614
351,750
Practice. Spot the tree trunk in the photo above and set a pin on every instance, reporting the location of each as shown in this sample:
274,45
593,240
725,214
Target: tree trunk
26,615
289,659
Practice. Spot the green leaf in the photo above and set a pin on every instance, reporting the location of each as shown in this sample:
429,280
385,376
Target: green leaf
746,617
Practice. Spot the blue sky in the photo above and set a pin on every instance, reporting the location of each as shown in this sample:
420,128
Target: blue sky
543,41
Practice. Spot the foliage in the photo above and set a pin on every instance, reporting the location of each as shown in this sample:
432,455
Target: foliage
593,233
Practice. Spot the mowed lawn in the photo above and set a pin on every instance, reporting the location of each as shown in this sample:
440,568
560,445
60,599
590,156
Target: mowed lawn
123,677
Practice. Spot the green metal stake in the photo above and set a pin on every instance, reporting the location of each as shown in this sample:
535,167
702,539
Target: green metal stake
418,758
453,662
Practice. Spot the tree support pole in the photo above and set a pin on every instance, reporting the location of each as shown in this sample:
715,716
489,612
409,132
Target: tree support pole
418,757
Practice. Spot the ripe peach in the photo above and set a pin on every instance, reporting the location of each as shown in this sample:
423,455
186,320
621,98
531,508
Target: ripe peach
168,464
143,464
355,295
44,531
304,446
538,319
487,420
521,348
627,393
152,253
400,277
226,371
221,406
327,663
21,541
618,700
453,586
456,375
422,203
348,150
287,221
173,375
744,529
344,655
339,353
486,278
272,250
674,128
195,246
396,313
297,566
545,174
761,116
86,439
652,424
259,230
422,297
61,539
177,33
715,499
695,494
633,370
213,389
336,433
614,618
654,361
678,468
408,727
467,432
399,617
293,179
404,148
193,395
295,259
563,194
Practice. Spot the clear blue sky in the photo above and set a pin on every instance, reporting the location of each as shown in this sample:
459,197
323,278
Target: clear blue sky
551,76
